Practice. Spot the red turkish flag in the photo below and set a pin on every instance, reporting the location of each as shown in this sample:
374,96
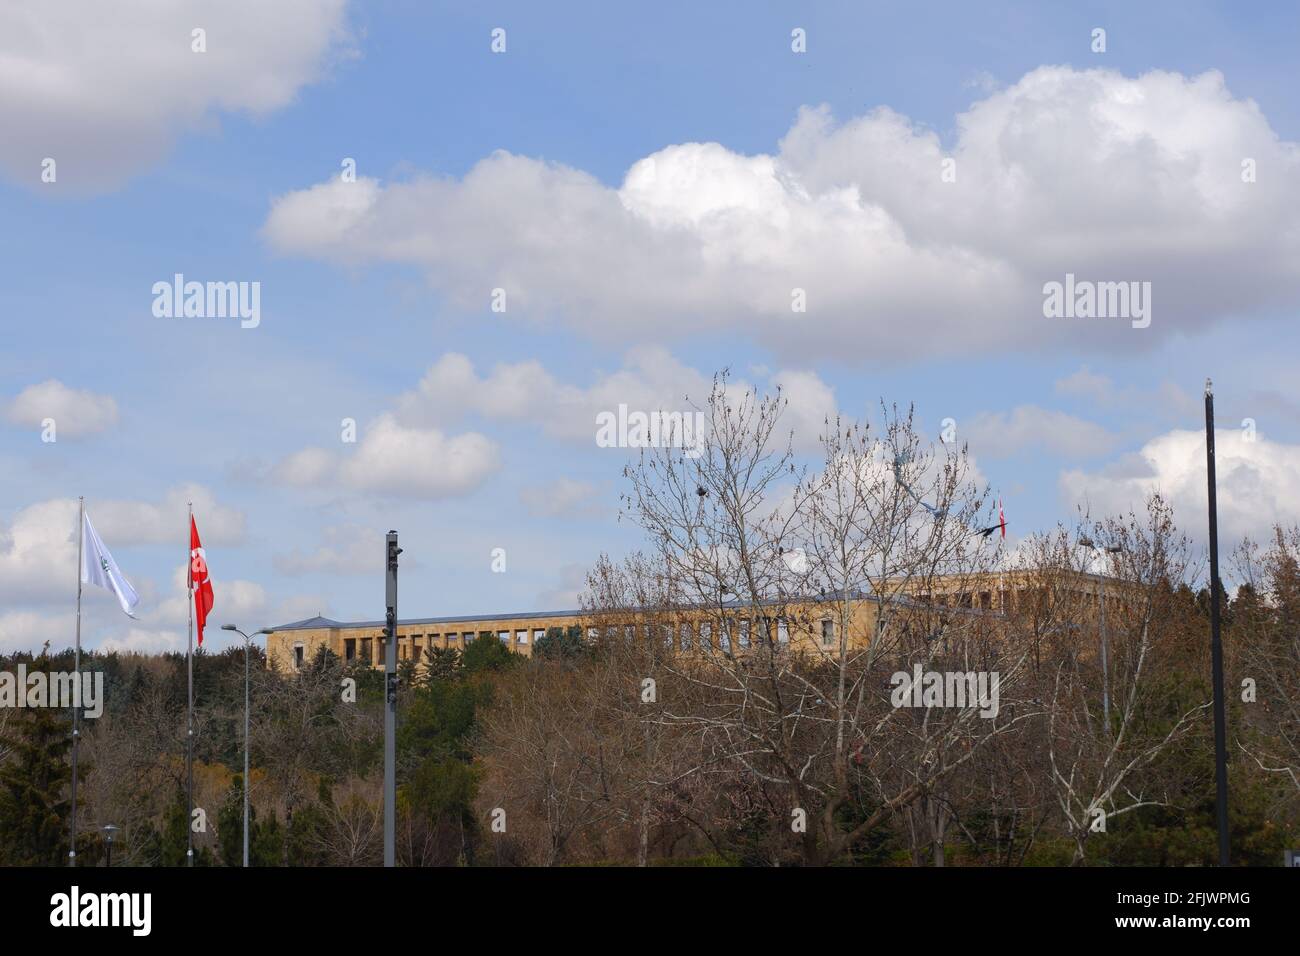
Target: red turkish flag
199,581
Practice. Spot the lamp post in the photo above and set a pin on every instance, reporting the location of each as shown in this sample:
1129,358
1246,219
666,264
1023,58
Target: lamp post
247,643
110,831
1086,542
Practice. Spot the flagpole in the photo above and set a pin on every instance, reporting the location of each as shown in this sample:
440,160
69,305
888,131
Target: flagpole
189,670
76,669
1216,642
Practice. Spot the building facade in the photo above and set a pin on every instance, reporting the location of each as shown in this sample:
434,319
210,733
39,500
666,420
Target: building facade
810,625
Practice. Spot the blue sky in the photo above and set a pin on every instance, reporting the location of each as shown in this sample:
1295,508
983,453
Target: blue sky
219,165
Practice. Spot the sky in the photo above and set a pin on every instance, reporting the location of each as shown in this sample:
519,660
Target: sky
474,228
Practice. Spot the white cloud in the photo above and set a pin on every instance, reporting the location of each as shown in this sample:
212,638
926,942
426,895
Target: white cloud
397,459
650,380
564,497
1109,177
29,630
105,88
1258,482
568,591
76,412
38,553
1167,399
1001,435
139,522
38,548
139,640
810,405
345,549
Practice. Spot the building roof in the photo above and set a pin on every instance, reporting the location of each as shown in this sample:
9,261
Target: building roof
318,622
315,623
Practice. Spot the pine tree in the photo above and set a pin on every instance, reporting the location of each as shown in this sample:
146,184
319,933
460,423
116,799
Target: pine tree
230,824
35,786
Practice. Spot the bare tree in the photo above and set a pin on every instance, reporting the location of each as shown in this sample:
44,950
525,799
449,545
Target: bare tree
1100,772
1266,655
775,564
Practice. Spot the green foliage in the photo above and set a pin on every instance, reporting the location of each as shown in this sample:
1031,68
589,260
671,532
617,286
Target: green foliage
302,840
34,806
487,654
562,644
230,824
442,663
266,845
174,838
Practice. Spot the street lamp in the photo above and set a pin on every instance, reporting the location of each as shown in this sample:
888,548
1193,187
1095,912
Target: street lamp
110,831
247,642
1086,542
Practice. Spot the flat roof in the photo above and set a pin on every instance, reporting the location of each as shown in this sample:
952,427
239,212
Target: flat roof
315,623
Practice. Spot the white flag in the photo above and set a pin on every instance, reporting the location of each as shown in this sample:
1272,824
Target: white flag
99,568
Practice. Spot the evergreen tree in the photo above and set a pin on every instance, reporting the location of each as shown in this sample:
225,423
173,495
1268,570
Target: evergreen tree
35,786
230,824
266,848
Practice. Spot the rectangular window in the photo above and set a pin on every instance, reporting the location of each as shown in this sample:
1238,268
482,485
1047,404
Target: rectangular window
724,641
706,636
367,653
521,638
744,632
297,656
684,636
782,631
828,632
592,633
349,648
505,637
538,634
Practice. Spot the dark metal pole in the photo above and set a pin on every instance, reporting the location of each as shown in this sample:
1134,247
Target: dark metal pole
247,642
189,700
76,669
1216,645
390,708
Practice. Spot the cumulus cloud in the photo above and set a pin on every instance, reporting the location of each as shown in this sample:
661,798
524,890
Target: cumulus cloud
104,89
562,498
1167,399
344,549
1090,172
651,379
38,553
139,522
76,412
38,547
29,630
140,640
397,459
569,589
1258,482
1028,427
